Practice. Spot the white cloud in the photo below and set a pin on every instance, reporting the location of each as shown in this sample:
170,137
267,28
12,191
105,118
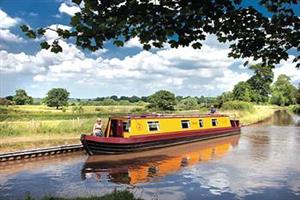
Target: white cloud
69,10
19,63
6,35
99,52
172,69
57,16
33,14
7,21
229,79
51,35
288,68
133,42
184,70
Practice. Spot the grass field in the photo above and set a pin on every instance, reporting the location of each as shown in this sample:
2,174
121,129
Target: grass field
26,127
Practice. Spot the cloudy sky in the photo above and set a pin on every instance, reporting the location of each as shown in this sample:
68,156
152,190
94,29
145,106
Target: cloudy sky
110,71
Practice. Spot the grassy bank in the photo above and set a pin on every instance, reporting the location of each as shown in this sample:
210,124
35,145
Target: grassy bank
115,195
257,114
54,128
295,109
28,126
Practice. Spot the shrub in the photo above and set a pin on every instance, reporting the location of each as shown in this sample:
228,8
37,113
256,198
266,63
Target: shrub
137,110
189,103
162,100
6,102
97,109
77,109
238,105
296,109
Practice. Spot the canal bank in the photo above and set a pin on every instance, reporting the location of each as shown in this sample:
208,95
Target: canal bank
252,166
257,115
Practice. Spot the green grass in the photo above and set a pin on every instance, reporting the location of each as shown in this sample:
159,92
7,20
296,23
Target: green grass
238,105
115,195
259,113
295,109
29,112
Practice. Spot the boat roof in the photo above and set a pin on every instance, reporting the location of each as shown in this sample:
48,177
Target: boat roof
159,116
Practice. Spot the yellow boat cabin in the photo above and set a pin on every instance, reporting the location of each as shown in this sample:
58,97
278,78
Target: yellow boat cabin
142,125
140,132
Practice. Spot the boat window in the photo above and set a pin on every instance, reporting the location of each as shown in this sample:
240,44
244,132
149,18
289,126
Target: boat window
185,123
153,125
200,123
214,122
126,126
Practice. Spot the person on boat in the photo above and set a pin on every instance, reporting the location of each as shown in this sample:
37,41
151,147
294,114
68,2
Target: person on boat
97,130
213,110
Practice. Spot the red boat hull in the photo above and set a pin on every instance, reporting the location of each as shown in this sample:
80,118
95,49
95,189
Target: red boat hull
118,145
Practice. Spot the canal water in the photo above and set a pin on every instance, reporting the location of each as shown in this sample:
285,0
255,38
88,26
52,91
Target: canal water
261,163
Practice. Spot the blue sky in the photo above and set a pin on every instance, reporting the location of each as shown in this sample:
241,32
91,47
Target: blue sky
111,71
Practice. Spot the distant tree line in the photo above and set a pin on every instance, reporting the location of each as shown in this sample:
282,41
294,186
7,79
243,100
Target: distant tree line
20,98
258,89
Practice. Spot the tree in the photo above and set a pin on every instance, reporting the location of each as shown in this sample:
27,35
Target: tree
260,83
6,102
114,97
224,97
21,98
188,103
252,34
57,97
202,100
144,98
108,102
10,98
124,98
242,92
134,99
283,92
162,100
179,98
298,95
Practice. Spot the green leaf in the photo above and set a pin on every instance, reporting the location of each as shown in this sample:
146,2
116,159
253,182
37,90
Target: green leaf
246,63
197,45
31,34
147,46
24,28
75,20
41,31
44,45
118,43
77,1
56,49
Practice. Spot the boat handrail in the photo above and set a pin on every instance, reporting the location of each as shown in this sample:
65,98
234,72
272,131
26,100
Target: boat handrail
140,116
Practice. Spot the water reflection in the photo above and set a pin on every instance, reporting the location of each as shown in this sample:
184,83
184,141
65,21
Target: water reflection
261,163
148,166
281,118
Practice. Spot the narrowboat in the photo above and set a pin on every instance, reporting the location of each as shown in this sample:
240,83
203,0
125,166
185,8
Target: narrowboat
141,167
131,133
